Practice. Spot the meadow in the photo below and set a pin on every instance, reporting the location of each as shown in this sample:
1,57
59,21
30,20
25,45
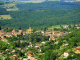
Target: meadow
2,17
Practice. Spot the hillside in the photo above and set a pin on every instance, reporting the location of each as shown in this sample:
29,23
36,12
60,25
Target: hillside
39,0
48,5
34,5
40,18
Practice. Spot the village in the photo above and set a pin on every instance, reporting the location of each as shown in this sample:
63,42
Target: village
29,50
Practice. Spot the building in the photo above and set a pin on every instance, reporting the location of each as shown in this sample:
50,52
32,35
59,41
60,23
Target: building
66,54
51,38
29,30
77,50
3,39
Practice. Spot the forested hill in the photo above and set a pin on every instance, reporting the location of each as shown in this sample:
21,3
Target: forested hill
49,5
40,18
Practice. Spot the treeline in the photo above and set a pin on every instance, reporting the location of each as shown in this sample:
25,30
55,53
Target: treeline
49,5
40,18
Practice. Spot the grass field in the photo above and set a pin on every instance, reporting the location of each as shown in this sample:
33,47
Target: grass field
32,1
2,17
55,26
8,7
12,9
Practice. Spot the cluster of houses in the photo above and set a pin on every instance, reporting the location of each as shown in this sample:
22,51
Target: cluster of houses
52,34
10,34
30,55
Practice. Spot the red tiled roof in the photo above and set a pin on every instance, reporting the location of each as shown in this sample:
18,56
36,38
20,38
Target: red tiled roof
30,55
66,52
13,30
29,52
77,48
52,38
46,41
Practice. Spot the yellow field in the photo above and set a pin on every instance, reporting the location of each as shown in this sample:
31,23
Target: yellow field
32,1
12,9
5,17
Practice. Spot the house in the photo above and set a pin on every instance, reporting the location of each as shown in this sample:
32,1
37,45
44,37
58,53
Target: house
13,32
7,49
56,42
36,47
78,27
8,34
15,56
66,44
3,39
77,50
29,56
29,52
22,50
38,44
29,30
20,32
18,48
30,45
46,41
26,47
9,52
66,54
43,42
65,26
61,34
51,38
13,51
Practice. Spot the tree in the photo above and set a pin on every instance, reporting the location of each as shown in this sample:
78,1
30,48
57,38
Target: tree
47,55
52,56
0,27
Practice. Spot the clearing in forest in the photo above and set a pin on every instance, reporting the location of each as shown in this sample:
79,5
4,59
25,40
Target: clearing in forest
2,17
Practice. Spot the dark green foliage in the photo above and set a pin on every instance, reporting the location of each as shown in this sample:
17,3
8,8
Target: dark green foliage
2,9
52,56
41,19
49,5
0,27
3,45
49,55
1,3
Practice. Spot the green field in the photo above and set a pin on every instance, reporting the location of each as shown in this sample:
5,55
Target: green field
5,17
10,6
54,26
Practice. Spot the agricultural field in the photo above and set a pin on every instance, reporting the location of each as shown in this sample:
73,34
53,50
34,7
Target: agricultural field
5,17
32,1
